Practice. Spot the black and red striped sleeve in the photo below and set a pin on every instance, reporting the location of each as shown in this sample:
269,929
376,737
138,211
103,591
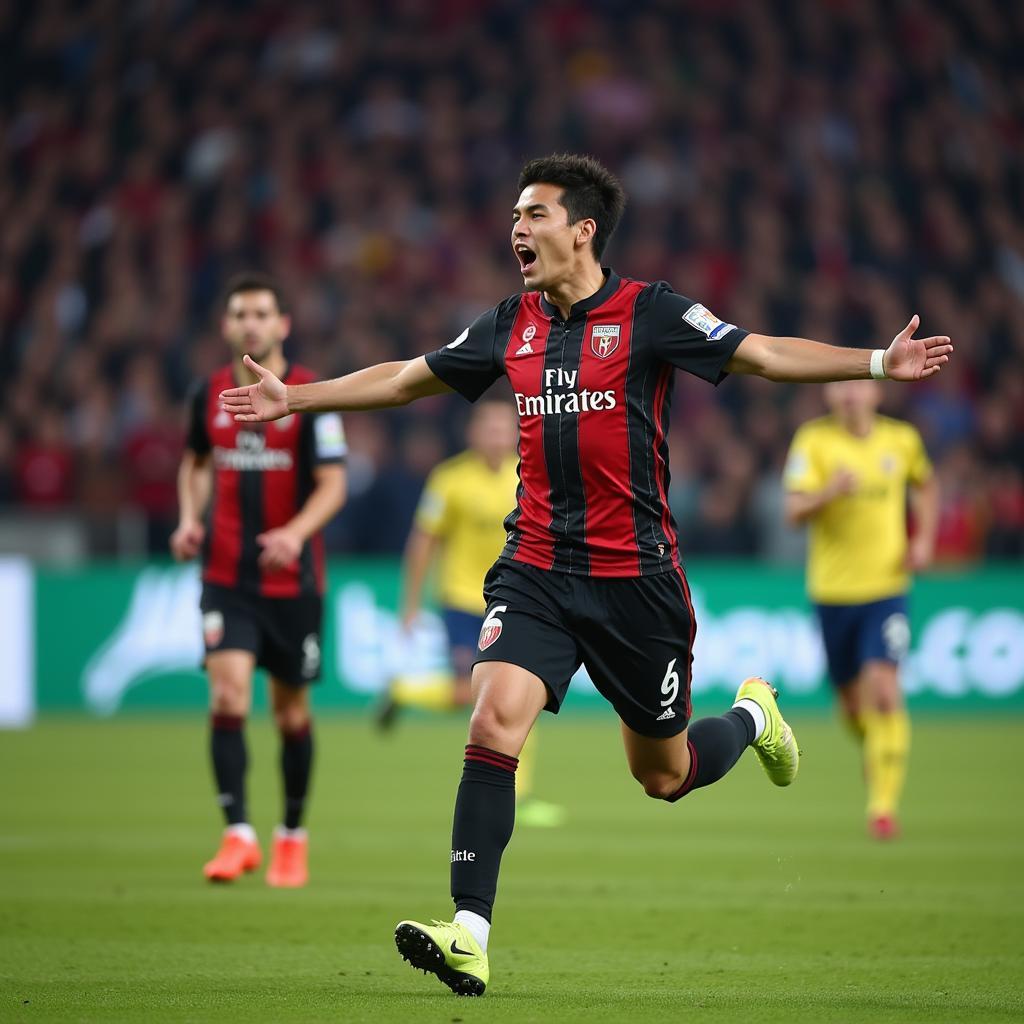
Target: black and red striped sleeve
475,359
688,335
198,437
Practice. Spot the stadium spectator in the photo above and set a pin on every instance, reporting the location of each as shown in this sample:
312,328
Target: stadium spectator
354,151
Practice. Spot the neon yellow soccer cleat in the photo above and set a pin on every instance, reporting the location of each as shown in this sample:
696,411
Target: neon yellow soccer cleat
447,950
776,749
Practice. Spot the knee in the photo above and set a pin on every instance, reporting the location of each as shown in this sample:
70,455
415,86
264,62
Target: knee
883,683
229,697
491,726
291,712
659,785
291,720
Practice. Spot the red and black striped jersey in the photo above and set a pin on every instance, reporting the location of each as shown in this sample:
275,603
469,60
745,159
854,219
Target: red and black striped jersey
594,394
262,476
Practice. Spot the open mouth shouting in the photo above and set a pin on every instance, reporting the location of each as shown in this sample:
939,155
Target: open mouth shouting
526,256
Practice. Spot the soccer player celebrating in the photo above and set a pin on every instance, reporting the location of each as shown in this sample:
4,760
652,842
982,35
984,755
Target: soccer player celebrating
252,502
590,571
459,525
847,475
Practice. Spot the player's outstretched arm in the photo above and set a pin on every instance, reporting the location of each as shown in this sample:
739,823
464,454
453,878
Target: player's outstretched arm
797,359
383,386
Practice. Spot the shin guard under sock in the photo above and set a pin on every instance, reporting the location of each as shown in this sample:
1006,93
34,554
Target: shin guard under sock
230,760
715,746
485,811
296,767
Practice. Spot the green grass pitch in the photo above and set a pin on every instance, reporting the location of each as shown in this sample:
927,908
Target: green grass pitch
741,903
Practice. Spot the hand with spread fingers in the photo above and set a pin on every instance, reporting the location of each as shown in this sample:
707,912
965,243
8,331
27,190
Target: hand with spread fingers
267,399
909,358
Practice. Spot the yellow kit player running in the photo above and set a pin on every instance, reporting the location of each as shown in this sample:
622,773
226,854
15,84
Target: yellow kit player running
848,476
459,526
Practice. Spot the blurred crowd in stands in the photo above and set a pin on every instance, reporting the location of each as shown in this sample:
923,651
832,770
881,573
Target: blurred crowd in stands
822,168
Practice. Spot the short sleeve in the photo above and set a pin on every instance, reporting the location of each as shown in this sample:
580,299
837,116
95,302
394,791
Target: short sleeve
470,363
689,336
919,466
434,509
198,438
329,444
803,470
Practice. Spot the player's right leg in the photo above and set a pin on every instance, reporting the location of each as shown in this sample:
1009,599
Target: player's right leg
508,701
525,659
230,675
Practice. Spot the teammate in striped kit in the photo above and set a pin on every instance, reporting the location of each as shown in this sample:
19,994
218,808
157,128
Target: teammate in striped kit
590,572
253,501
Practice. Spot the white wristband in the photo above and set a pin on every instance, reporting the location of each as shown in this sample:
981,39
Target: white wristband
877,364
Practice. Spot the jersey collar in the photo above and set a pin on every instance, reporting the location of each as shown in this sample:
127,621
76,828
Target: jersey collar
605,292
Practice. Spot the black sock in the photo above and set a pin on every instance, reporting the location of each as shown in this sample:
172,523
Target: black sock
296,765
715,746
485,811
227,749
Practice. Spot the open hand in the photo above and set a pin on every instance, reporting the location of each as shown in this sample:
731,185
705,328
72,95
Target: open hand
267,399
909,358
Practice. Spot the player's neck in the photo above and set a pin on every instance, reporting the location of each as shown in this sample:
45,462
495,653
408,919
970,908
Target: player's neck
492,462
587,280
859,426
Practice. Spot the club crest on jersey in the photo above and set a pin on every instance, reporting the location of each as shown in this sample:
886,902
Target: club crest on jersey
530,333
222,419
604,339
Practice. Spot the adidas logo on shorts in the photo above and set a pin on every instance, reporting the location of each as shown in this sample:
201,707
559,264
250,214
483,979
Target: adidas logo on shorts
666,715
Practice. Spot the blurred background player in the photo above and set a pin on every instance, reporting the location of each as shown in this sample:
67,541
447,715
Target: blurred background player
253,499
847,476
459,526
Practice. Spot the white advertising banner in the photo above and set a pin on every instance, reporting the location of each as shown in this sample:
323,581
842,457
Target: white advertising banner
17,642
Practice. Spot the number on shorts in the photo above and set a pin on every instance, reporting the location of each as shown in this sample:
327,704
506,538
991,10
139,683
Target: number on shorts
670,684
491,628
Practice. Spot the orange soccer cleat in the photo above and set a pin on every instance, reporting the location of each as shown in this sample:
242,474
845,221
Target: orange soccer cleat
288,869
239,852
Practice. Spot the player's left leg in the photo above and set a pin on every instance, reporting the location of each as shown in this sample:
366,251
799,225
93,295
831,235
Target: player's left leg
669,767
292,716
883,640
886,744
291,654
636,638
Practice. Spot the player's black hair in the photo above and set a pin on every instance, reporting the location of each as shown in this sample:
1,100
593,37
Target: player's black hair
589,190
254,281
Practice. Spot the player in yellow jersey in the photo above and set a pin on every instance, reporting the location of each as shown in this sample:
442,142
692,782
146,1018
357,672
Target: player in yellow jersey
848,475
459,527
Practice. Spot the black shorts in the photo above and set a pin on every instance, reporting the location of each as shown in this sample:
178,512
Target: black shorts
635,636
283,632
